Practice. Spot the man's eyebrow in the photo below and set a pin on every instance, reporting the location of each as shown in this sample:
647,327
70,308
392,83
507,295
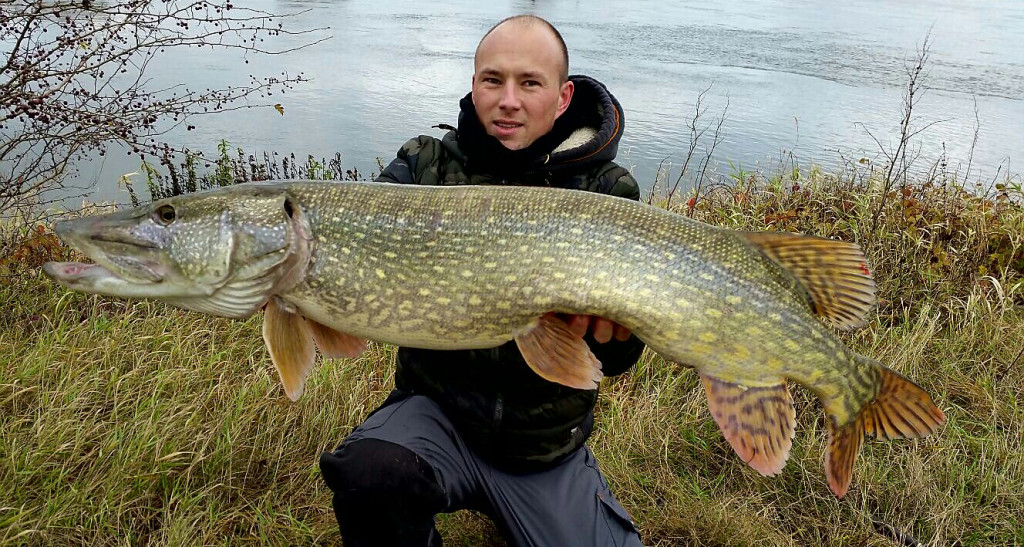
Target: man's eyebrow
527,75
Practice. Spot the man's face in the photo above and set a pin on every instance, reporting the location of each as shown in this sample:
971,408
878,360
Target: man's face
517,88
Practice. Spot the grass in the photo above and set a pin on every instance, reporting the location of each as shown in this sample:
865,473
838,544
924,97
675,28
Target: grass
136,423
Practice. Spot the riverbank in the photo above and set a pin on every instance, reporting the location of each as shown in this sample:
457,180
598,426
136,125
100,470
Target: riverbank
136,422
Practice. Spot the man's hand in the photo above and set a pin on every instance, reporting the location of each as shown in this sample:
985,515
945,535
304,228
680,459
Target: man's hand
603,329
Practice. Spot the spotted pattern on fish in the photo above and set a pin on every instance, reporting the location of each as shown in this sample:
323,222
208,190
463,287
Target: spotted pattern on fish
474,267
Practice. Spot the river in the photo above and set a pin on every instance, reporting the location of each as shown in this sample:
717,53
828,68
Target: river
804,81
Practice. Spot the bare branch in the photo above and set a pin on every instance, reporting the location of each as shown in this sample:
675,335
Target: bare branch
75,80
708,152
698,129
695,136
974,140
899,161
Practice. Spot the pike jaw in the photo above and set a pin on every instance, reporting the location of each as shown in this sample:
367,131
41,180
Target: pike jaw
223,252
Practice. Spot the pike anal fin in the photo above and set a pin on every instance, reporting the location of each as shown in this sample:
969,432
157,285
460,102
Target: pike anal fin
758,422
334,344
556,354
901,410
290,342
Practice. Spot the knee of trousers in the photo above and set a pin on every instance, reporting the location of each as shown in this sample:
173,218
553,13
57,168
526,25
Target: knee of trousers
380,474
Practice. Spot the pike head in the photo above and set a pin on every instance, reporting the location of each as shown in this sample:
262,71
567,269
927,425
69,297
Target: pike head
224,252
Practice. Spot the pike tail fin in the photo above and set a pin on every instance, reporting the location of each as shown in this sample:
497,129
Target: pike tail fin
901,410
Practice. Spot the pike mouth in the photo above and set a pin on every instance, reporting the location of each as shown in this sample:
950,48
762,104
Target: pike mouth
81,275
98,279
122,239
121,258
74,272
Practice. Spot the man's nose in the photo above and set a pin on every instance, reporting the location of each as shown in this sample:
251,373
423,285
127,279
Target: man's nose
510,97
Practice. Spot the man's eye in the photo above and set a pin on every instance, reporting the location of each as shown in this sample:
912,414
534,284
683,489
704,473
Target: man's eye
491,81
531,83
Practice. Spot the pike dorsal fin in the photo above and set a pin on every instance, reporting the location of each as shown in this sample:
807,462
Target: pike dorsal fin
757,421
557,354
290,342
834,273
334,344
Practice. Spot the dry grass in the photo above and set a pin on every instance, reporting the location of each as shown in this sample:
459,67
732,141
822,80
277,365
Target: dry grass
136,423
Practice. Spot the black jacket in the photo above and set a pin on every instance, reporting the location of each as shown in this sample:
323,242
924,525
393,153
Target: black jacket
501,407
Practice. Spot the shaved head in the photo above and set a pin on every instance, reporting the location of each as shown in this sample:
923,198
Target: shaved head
520,80
528,21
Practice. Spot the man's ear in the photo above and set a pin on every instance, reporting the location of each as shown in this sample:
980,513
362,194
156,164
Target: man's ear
472,91
564,97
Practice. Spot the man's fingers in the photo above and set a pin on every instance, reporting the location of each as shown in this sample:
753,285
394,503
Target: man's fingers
579,324
603,330
621,333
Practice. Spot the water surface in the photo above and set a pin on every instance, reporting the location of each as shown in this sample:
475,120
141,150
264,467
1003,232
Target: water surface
803,80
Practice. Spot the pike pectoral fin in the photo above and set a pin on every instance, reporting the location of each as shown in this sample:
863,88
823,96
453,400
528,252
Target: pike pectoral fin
557,354
290,342
757,421
834,273
901,410
334,344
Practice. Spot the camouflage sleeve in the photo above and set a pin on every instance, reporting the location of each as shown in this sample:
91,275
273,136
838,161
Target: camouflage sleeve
416,162
613,179
625,186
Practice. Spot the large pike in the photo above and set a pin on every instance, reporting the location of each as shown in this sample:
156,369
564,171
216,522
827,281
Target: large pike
465,267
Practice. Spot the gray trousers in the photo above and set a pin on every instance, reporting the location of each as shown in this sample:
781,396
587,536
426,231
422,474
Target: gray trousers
568,505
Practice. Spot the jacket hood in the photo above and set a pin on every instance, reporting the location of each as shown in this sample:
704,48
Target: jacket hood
587,133
597,138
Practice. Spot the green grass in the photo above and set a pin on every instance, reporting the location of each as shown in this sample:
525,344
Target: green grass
136,423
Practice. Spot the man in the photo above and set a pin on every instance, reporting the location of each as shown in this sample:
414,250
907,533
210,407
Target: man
478,429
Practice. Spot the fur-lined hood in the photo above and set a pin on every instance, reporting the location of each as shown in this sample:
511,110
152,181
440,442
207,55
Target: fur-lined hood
593,124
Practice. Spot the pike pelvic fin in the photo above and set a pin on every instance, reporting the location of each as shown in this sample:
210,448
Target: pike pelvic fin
901,410
834,273
759,422
556,354
290,342
334,344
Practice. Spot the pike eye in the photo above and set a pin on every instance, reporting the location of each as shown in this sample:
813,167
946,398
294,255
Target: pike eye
164,215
